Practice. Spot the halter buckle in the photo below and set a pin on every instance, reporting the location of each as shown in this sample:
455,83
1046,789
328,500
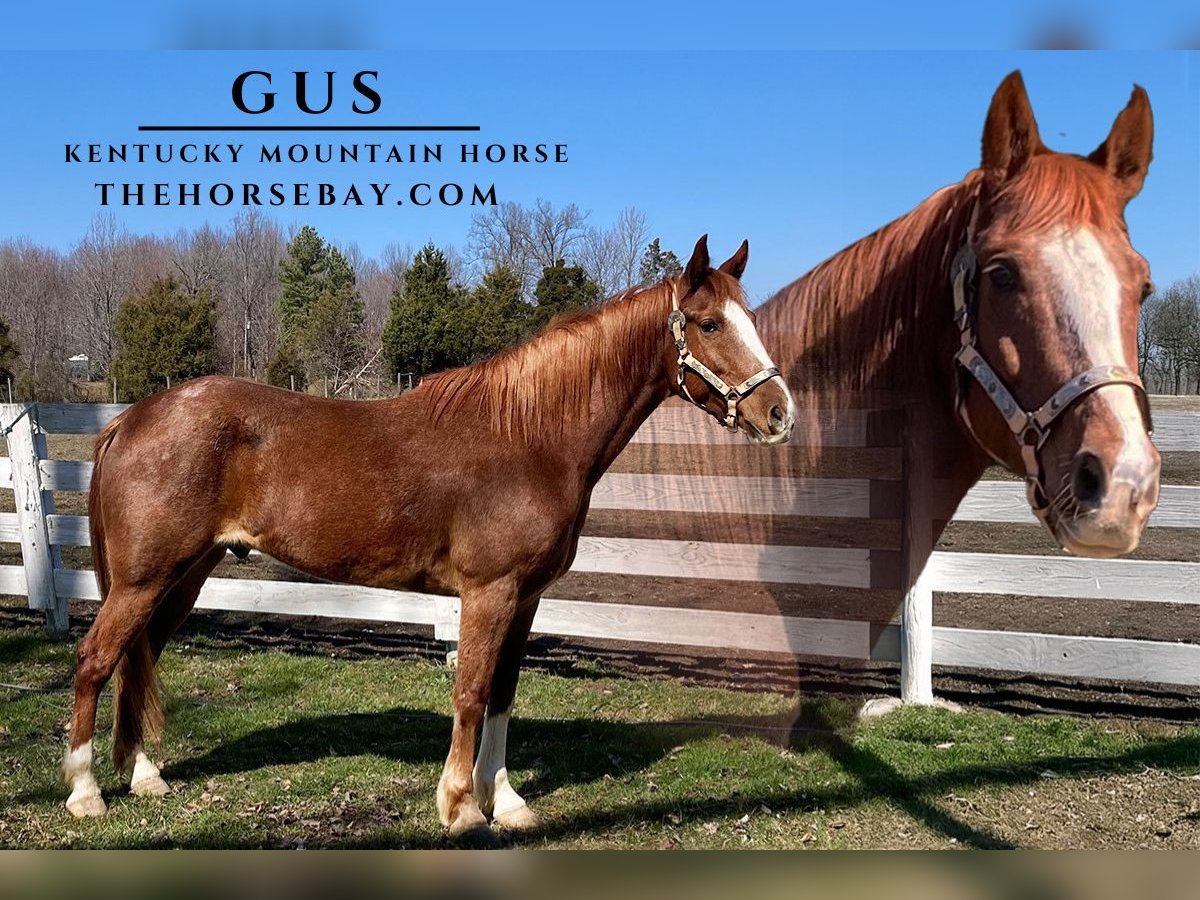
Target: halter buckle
964,264
675,323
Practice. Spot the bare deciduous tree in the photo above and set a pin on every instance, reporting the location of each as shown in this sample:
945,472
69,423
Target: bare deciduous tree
554,232
102,266
375,286
599,258
33,291
525,240
1169,337
395,261
457,264
252,287
500,237
630,233
198,260
611,256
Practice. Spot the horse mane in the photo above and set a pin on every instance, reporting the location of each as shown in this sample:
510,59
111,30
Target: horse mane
544,387
864,320
840,328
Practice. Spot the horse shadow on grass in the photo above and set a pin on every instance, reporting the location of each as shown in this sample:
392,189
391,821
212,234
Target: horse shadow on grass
562,753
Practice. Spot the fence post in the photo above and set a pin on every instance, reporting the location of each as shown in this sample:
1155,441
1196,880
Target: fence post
916,614
446,629
26,447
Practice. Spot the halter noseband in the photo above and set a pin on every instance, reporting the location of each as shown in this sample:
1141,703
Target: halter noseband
1030,429
676,322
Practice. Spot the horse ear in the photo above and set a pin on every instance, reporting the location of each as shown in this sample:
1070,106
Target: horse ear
736,264
1010,134
1127,150
697,267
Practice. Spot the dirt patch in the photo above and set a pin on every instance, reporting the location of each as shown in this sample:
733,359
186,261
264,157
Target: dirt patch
1183,403
1147,810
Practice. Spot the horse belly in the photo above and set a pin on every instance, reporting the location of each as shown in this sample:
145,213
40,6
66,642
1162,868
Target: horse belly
347,548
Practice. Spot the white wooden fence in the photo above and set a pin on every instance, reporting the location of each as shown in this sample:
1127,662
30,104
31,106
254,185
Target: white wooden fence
916,642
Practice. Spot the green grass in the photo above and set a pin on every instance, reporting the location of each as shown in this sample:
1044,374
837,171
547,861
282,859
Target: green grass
284,749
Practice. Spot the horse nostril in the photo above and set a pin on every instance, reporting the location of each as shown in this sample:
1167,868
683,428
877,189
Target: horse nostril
778,419
1087,479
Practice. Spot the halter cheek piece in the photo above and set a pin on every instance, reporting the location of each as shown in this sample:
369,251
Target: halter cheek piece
1030,429
676,322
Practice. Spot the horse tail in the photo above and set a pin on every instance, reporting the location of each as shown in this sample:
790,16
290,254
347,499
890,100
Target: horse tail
137,710
95,512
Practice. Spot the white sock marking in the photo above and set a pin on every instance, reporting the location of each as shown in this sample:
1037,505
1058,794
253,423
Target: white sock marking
490,776
143,768
77,771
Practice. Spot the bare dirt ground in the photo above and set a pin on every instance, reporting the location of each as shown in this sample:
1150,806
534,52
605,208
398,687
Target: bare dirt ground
1188,403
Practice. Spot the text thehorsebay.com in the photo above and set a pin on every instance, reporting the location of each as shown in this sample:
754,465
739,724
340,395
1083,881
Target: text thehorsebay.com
412,185
304,193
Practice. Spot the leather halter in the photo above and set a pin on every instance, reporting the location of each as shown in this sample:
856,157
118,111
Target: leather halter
1030,429
676,322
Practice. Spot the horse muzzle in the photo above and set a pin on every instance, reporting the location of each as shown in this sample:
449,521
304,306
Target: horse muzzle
1107,504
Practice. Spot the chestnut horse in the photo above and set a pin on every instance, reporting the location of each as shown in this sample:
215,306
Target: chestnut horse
1004,309
476,483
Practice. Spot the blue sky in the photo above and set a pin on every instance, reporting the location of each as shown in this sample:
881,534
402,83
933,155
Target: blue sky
801,152
479,25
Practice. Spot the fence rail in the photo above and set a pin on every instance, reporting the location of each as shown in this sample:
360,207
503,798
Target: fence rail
915,642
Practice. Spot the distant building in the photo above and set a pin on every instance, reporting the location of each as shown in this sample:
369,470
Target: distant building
79,367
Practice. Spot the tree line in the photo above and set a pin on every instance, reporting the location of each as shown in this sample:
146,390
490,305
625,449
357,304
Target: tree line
296,309
1169,339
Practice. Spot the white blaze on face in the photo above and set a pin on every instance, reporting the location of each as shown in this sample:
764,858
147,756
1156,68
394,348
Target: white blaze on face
1090,293
743,329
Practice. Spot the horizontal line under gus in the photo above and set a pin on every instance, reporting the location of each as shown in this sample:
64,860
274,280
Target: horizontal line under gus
308,128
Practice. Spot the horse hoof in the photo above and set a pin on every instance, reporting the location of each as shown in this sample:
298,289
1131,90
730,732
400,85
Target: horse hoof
481,837
86,806
151,786
471,828
522,818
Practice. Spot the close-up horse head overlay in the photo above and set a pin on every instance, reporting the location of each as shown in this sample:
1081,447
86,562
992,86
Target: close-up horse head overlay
719,362
1047,290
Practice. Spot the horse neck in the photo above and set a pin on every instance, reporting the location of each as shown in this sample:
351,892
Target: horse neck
578,390
873,327
875,317
622,398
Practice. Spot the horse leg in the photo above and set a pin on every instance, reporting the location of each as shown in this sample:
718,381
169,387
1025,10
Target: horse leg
493,793
137,695
121,621
487,613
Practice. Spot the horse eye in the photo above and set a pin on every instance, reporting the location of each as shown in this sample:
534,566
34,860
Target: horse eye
708,326
1147,289
1002,277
